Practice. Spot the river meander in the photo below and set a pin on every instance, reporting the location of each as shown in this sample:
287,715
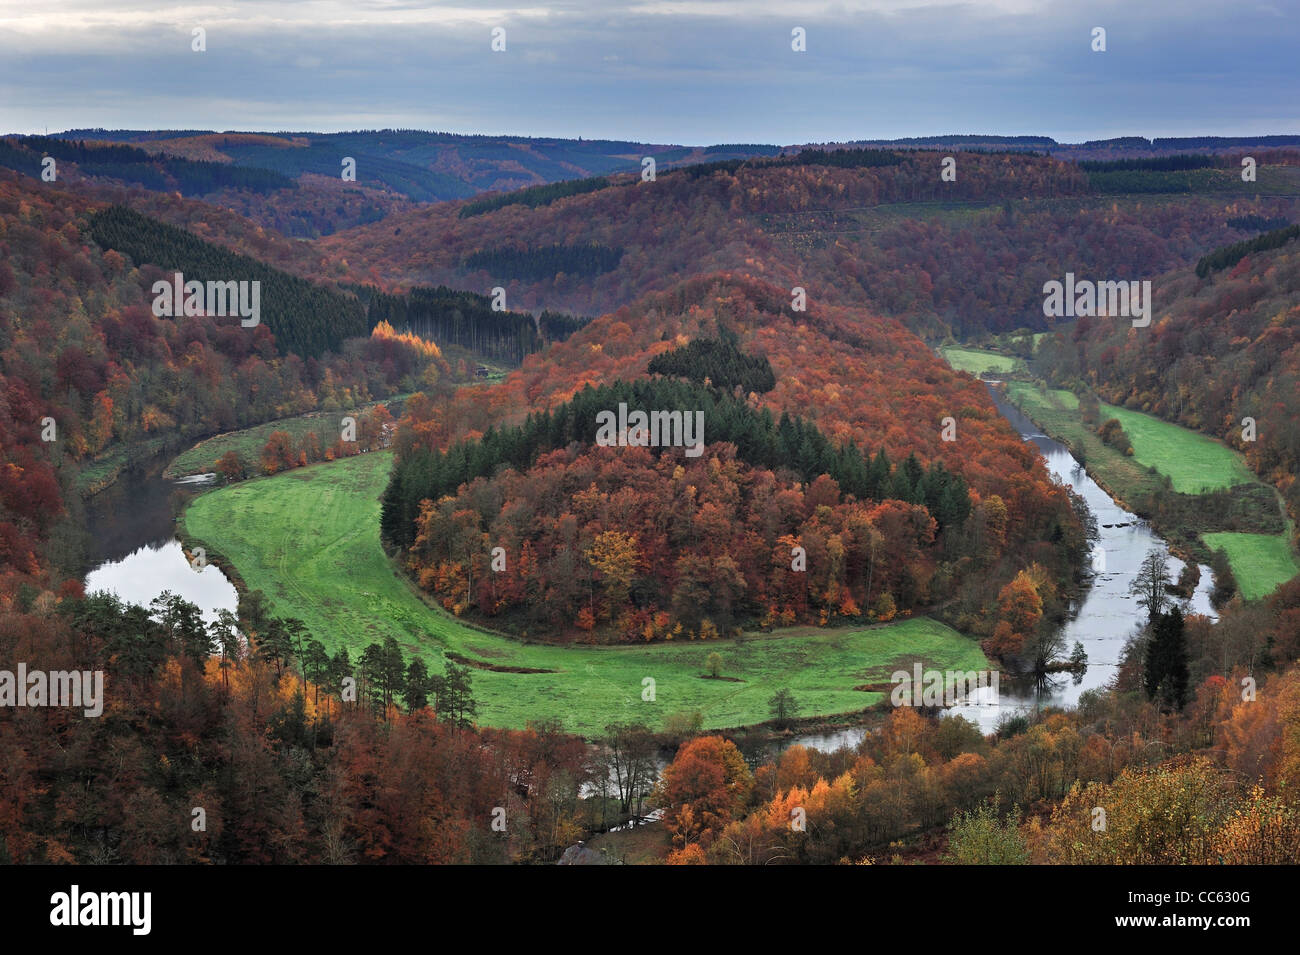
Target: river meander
137,555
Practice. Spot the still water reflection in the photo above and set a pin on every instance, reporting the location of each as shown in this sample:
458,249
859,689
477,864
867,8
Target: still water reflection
134,551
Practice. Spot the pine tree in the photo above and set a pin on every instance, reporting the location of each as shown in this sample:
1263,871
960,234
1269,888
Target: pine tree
416,693
1166,673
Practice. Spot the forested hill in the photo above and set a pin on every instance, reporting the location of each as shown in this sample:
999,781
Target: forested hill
423,166
873,226
135,166
835,406
305,318
312,184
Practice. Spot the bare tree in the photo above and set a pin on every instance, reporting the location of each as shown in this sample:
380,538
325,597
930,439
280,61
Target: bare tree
1149,586
631,755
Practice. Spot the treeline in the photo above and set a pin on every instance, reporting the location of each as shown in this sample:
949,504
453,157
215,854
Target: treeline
533,196
1118,142
384,677
790,444
306,318
844,158
700,170
1152,163
838,158
1258,223
465,319
975,140
129,164
758,149
544,262
1222,142
1230,255
1110,181
719,360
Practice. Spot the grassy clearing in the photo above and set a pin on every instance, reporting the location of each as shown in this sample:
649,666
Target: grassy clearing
1057,412
250,441
309,539
1260,562
1194,462
976,361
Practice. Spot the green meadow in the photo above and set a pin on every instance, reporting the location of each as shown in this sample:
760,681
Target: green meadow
309,539
1194,462
976,361
1056,411
1260,562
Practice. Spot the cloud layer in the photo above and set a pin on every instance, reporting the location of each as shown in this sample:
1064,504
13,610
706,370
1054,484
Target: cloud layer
684,71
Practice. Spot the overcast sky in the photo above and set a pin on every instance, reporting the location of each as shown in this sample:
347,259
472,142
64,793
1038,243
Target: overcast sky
664,71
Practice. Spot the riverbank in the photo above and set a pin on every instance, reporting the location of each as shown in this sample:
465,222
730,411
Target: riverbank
1196,492
100,473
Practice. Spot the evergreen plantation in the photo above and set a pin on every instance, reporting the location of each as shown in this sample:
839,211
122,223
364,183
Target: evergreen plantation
306,318
452,317
719,361
534,196
310,319
546,261
1228,256
162,172
790,443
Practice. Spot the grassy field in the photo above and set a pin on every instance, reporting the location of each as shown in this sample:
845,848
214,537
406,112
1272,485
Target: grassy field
1260,562
250,441
309,539
976,361
1194,462
1057,413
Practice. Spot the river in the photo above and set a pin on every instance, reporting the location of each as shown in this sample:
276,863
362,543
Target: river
1102,619
133,548
1106,614
136,555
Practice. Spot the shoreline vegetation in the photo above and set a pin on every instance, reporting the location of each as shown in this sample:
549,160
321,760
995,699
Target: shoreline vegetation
202,456
1170,476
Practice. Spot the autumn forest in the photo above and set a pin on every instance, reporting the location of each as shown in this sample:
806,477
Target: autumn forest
556,507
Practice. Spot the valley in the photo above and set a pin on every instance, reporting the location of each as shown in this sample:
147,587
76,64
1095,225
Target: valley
425,578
